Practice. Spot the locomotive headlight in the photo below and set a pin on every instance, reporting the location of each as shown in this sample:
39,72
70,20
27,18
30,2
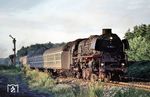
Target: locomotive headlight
122,64
102,64
110,38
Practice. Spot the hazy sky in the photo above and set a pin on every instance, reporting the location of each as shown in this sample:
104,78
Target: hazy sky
41,21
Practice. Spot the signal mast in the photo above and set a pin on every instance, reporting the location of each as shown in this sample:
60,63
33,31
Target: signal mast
13,57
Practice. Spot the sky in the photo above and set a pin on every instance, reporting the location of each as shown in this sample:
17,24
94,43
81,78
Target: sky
42,21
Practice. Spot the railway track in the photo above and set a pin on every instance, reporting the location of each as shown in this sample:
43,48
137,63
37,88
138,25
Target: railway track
136,85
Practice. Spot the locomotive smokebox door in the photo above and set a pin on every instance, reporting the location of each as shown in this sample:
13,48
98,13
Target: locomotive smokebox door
106,31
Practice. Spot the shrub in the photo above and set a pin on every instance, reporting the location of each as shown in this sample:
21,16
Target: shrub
139,70
38,80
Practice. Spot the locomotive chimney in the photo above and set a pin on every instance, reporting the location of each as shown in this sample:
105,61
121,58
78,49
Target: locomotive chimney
106,31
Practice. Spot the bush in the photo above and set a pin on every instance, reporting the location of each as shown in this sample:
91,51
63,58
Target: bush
139,69
38,80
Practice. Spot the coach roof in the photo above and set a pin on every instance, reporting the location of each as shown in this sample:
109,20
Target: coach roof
54,50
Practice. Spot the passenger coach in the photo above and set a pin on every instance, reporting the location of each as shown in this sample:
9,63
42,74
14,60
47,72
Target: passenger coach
56,58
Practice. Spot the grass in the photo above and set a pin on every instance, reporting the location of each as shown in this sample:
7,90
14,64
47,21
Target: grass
100,90
63,90
9,70
42,82
130,92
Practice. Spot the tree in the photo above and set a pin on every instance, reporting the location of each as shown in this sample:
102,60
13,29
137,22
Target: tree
139,40
139,49
22,51
129,35
37,48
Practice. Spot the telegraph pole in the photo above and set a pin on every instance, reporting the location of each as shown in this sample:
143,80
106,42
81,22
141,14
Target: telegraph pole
14,49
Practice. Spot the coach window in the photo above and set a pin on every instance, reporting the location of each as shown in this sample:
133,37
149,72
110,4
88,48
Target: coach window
50,57
57,62
57,56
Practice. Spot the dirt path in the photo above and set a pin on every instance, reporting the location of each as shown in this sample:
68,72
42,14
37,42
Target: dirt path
24,90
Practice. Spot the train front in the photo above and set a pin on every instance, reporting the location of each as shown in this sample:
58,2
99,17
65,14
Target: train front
113,59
